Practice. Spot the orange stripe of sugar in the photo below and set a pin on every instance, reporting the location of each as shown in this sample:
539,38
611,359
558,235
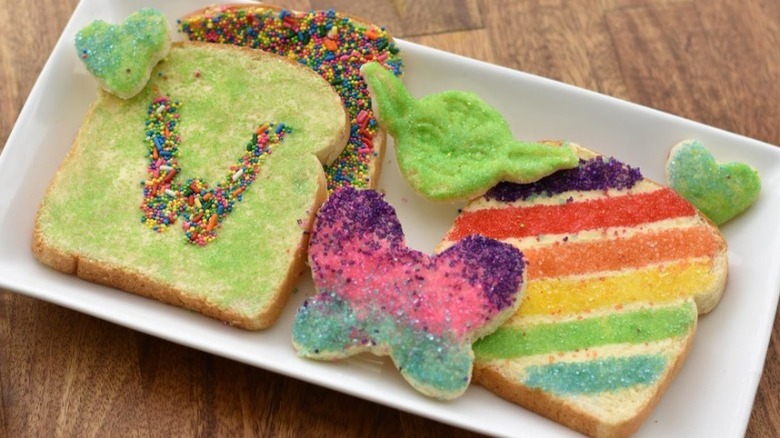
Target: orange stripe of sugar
654,284
611,211
641,249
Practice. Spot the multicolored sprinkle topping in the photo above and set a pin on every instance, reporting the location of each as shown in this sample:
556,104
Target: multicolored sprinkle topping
203,207
333,45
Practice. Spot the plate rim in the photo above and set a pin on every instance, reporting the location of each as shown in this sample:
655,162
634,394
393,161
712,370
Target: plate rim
29,289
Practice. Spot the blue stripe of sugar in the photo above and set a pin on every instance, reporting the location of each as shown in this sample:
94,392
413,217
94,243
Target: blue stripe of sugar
594,376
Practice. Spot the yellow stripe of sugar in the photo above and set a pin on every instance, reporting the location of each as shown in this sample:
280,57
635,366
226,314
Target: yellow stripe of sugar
581,294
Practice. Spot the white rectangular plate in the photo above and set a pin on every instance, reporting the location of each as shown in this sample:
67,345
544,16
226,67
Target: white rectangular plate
712,395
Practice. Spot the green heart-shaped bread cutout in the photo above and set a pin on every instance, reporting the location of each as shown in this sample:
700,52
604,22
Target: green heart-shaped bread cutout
121,57
720,191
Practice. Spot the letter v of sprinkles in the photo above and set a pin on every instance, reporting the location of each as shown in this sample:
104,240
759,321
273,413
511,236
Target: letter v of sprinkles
202,207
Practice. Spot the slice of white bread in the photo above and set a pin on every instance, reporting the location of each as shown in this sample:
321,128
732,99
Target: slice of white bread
618,269
90,222
333,44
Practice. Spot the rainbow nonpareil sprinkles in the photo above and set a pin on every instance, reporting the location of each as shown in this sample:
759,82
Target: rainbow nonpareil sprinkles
202,207
333,45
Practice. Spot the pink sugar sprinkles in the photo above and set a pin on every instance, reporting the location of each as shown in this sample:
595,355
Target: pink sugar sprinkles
203,208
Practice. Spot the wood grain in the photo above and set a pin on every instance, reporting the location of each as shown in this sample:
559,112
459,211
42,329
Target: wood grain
412,18
66,374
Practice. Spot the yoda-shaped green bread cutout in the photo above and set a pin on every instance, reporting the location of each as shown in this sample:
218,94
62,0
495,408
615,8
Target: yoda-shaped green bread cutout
452,145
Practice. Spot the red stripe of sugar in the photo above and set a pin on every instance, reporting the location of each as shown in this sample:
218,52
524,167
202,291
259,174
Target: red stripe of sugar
611,211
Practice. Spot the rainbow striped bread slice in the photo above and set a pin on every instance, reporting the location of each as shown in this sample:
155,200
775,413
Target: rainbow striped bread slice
619,267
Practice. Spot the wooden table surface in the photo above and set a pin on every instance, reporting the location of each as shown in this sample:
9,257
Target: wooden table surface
64,373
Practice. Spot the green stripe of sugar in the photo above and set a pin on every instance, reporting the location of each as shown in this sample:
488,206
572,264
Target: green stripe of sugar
594,376
636,326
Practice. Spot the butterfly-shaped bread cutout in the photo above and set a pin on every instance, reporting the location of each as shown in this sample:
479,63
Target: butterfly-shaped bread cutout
376,294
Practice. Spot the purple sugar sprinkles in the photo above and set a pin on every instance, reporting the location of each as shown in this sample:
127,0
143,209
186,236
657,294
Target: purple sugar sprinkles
598,173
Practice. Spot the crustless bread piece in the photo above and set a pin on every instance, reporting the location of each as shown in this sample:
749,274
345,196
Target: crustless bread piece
90,222
619,267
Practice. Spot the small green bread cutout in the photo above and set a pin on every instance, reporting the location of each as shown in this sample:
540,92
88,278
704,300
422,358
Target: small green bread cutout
452,145
720,191
122,57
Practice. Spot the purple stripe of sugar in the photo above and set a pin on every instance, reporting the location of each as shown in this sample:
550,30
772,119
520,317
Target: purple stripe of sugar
499,265
595,174
349,212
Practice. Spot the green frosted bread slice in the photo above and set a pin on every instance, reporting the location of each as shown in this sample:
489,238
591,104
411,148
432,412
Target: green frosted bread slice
89,223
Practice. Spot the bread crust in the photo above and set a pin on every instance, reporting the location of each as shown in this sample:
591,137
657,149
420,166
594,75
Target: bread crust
135,281
547,405
375,168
